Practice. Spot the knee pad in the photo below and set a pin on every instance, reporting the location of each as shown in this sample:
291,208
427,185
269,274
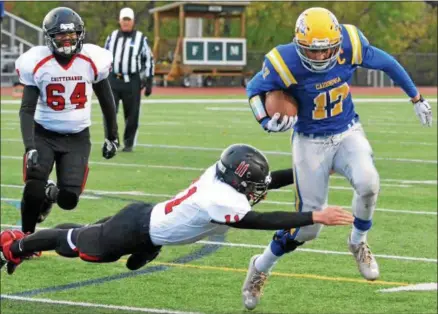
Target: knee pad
34,191
66,251
67,200
282,242
92,247
369,185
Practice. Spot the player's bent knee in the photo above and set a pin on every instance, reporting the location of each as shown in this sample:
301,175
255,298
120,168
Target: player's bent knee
93,247
65,250
67,199
369,184
34,191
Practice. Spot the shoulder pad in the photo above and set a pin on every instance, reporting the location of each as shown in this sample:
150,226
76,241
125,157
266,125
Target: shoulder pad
28,63
354,43
100,57
278,58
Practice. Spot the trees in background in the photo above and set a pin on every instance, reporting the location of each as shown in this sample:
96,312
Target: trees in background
396,27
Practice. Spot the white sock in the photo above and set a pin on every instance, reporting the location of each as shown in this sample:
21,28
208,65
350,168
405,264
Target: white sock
358,236
265,262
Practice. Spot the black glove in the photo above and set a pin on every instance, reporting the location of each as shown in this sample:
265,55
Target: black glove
109,148
147,85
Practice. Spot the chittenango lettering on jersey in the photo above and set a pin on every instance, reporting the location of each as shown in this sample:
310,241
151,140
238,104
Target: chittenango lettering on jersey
328,83
66,78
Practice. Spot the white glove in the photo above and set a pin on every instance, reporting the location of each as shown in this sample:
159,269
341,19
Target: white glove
31,158
423,111
274,126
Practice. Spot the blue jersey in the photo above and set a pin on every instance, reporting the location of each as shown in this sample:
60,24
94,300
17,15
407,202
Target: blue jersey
325,103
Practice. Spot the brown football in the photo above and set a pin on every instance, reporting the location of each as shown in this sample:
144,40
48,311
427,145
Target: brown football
278,101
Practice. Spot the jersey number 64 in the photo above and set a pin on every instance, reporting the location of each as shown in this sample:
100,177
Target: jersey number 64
56,100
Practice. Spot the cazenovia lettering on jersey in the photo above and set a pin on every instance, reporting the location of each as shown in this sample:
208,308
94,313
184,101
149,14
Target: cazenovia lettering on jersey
66,78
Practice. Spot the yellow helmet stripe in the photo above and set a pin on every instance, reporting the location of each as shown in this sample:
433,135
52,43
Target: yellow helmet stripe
356,44
281,67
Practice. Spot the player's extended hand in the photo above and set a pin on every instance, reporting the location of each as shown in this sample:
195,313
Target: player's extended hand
273,125
109,148
423,111
31,159
333,216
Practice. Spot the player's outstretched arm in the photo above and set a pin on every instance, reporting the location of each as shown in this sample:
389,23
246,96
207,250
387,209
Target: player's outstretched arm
377,59
330,216
104,94
27,112
281,178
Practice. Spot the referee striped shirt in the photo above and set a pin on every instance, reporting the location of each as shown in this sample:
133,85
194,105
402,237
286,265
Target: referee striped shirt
131,54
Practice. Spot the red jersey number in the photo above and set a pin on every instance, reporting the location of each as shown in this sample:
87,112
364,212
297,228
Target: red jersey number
56,100
168,208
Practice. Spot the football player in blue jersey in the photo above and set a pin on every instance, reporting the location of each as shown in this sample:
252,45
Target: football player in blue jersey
316,69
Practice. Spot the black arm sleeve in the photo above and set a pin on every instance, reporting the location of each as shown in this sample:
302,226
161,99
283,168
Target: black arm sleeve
273,220
281,178
106,100
27,112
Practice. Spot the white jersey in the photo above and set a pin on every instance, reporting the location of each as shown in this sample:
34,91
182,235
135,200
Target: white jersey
64,105
187,218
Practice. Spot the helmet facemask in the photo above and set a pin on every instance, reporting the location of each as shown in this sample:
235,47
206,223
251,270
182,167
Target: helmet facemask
62,46
314,65
256,191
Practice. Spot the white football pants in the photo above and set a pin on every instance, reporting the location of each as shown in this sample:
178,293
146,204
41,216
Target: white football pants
349,154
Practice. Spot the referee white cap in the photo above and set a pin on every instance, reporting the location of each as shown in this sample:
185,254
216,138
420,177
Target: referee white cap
126,13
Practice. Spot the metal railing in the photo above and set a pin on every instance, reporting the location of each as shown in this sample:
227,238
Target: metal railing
19,27
17,36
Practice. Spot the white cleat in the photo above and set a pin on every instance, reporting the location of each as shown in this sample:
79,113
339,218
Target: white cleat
252,288
365,260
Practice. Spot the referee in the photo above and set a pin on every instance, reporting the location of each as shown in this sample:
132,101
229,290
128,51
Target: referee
133,69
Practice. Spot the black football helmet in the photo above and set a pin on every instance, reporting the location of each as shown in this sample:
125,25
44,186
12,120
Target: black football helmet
246,169
63,20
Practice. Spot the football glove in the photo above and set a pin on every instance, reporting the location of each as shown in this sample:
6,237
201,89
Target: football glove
109,148
423,111
31,159
146,83
273,125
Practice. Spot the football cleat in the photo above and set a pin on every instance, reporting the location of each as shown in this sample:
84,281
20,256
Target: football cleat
365,260
252,289
8,237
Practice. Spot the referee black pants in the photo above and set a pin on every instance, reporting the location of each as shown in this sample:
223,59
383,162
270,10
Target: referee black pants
130,94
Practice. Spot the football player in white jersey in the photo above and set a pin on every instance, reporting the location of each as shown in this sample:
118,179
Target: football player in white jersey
55,114
221,198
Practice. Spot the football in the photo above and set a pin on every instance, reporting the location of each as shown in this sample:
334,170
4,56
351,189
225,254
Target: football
278,101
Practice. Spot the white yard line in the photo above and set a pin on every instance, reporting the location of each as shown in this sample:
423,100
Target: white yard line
304,250
160,195
433,286
267,152
209,101
93,305
402,182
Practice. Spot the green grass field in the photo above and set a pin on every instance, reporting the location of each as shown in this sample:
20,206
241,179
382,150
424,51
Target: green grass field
178,140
